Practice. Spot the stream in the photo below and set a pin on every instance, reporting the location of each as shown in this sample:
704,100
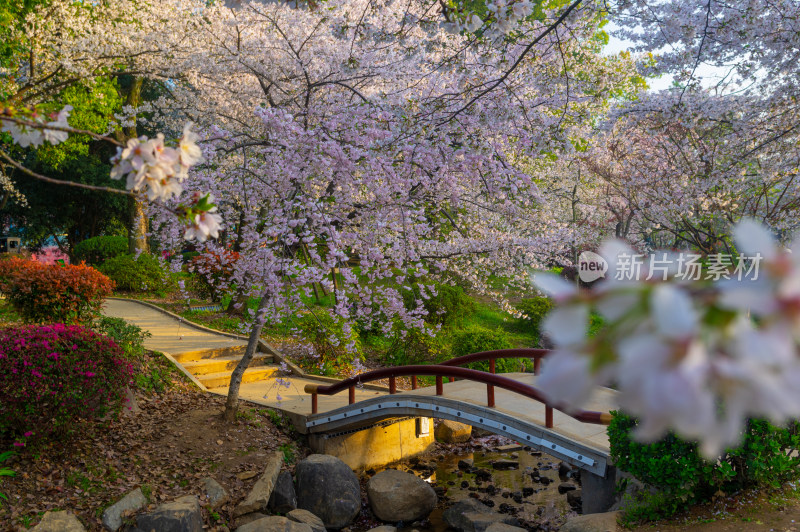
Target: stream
509,477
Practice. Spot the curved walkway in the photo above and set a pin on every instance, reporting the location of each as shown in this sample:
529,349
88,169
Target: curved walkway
169,335
207,357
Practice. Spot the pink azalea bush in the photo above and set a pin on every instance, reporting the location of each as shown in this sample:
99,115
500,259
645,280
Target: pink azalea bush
50,255
56,375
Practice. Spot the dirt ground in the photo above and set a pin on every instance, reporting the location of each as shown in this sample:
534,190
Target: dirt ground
174,441
766,510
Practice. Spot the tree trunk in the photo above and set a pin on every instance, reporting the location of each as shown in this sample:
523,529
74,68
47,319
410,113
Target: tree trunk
232,403
137,230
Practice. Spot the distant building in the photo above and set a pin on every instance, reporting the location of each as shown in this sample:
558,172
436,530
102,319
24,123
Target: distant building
9,244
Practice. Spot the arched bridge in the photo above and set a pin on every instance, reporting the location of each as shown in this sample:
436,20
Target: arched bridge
509,405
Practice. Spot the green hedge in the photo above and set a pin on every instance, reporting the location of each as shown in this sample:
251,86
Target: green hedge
330,340
142,274
476,339
450,306
681,477
535,310
97,250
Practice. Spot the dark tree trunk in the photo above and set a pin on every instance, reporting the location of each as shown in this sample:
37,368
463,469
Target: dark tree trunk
232,403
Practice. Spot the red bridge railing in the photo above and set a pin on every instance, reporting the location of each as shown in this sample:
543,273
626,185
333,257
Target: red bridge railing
450,369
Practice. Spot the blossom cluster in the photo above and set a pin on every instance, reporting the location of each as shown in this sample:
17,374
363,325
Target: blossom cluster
32,130
501,18
691,356
151,166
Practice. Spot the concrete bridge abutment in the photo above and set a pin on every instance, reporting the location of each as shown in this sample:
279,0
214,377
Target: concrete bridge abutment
377,444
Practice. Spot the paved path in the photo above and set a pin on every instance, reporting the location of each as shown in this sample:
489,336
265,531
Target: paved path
186,344
169,335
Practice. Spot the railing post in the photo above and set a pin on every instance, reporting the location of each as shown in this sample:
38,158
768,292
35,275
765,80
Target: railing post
490,395
413,382
537,363
450,379
439,390
352,394
314,403
548,416
492,365
392,385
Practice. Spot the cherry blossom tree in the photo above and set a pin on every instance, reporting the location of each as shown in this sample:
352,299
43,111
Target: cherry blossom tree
689,166
353,141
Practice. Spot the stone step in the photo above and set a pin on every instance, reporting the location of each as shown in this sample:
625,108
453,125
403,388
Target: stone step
222,364
223,378
200,354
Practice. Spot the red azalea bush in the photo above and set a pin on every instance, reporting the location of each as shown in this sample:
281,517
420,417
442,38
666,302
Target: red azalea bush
55,375
53,292
213,272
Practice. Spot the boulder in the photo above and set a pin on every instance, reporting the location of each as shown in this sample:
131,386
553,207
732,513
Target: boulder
502,527
383,528
283,498
258,498
605,522
215,493
453,432
470,515
274,523
505,465
248,518
397,496
565,487
328,488
180,515
62,521
477,522
466,464
306,517
575,498
130,503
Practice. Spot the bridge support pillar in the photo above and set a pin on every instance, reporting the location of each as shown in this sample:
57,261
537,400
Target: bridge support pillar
376,445
598,493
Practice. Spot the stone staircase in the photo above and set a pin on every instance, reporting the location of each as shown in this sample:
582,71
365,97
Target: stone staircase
213,367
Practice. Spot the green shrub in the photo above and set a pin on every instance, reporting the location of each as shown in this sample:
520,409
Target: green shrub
405,347
478,339
97,250
129,337
141,274
335,344
450,306
681,477
535,310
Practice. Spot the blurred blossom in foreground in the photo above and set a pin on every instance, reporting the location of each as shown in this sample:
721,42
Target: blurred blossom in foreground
695,356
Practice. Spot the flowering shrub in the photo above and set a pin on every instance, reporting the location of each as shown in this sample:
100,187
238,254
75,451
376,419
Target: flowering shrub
53,293
141,274
213,272
55,375
50,255
95,251
681,476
